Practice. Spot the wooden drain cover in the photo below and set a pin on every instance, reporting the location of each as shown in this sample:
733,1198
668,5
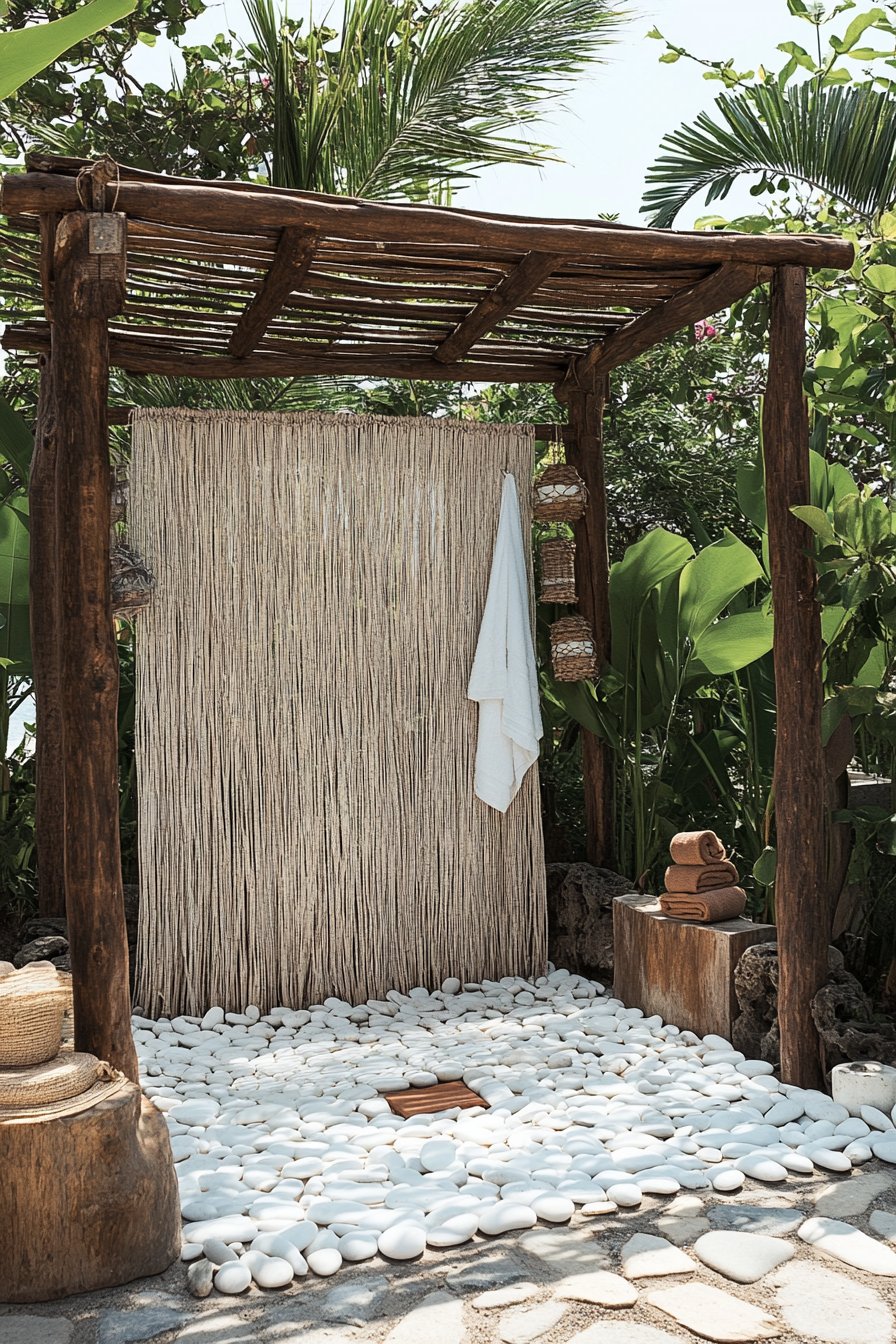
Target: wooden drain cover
425,1100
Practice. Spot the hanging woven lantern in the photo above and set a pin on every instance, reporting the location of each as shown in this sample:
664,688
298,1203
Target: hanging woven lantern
559,494
572,649
558,571
132,582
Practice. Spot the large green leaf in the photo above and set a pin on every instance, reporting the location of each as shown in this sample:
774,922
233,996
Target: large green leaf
734,642
656,557
710,581
841,141
24,52
15,637
16,440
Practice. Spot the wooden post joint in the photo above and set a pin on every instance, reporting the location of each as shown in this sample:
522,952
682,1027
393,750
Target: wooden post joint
517,286
292,262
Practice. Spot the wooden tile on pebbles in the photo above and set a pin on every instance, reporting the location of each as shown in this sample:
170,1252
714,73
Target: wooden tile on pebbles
602,1288
713,1314
742,1256
646,1257
817,1304
526,1324
439,1319
843,1242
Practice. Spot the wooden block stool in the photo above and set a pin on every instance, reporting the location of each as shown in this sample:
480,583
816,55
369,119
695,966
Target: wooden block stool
679,968
87,1200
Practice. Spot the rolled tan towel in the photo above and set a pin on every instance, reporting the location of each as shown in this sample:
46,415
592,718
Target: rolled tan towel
692,847
695,877
710,907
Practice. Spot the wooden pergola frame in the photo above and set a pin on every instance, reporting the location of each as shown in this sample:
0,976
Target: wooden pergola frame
221,280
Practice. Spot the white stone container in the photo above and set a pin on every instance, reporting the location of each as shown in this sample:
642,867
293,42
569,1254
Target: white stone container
864,1083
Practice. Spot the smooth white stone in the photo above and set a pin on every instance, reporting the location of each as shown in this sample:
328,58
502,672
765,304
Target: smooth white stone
742,1256
358,1246
873,1117
451,985
453,1231
403,1241
325,1262
626,1194
821,1107
761,1168
191,1252
784,1112
503,1217
273,1244
658,1185
268,1271
437,1154
212,1018
727,1180
234,1228
849,1245
301,1235
233,1277
829,1161
553,1208
646,1257
754,1068
858,1152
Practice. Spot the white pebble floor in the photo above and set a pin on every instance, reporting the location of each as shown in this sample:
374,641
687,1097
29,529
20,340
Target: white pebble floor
289,1159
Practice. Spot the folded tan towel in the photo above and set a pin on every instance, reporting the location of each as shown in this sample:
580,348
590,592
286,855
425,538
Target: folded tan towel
691,847
708,908
701,877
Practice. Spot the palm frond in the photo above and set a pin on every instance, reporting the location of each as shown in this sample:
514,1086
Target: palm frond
413,96
839,140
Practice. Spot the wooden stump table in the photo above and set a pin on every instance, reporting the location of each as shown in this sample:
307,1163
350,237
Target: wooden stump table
680,968
87,1201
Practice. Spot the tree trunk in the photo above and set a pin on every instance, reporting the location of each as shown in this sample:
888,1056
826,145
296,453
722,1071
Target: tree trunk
87,1201
585,452
87,289
49,822
802,913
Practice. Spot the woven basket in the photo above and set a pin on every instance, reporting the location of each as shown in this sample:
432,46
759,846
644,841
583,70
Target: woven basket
59,1079
32,1002
572,650
558,571
559,494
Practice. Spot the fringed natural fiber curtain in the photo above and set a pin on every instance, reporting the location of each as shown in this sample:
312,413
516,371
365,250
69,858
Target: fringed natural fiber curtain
305,745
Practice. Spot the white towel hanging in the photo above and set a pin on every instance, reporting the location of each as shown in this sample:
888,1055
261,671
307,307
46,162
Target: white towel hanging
504,678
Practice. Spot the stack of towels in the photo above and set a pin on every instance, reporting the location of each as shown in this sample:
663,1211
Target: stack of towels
702,883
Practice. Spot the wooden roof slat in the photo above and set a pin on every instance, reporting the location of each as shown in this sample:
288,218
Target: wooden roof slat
519,284
288,269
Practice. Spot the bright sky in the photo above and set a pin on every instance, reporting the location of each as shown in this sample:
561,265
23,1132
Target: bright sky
618,116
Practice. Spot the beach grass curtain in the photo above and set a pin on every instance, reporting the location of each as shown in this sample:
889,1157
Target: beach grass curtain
305,746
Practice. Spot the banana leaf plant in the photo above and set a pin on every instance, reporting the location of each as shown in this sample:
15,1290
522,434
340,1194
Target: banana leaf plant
670,642
24,52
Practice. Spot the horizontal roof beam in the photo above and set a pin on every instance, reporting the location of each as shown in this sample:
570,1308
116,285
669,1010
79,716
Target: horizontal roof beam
517,286
247,211
719,290
292,261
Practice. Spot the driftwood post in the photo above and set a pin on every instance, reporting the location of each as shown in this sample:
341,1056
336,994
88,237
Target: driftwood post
49,820
88,289
802,914
584,449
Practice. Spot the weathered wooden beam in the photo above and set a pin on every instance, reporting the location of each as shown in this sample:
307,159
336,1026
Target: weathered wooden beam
246,211
43,576
291,263
513,290
87,284
803,917
144,356
584,449
727,284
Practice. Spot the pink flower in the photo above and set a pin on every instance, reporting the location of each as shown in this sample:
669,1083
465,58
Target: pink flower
265,82
710,396
709,330
699,331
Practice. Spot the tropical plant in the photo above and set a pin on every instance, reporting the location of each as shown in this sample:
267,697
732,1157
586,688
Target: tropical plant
25,52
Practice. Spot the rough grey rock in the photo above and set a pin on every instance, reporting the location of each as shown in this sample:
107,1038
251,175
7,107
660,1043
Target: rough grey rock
753,1218
580,917
842,1012
755,1032
41,949
44,926
486,1274
130,1327
356,1301
200,1277
35,1330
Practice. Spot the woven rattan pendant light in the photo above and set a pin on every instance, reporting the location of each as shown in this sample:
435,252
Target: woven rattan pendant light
559,494
558,571
572,650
